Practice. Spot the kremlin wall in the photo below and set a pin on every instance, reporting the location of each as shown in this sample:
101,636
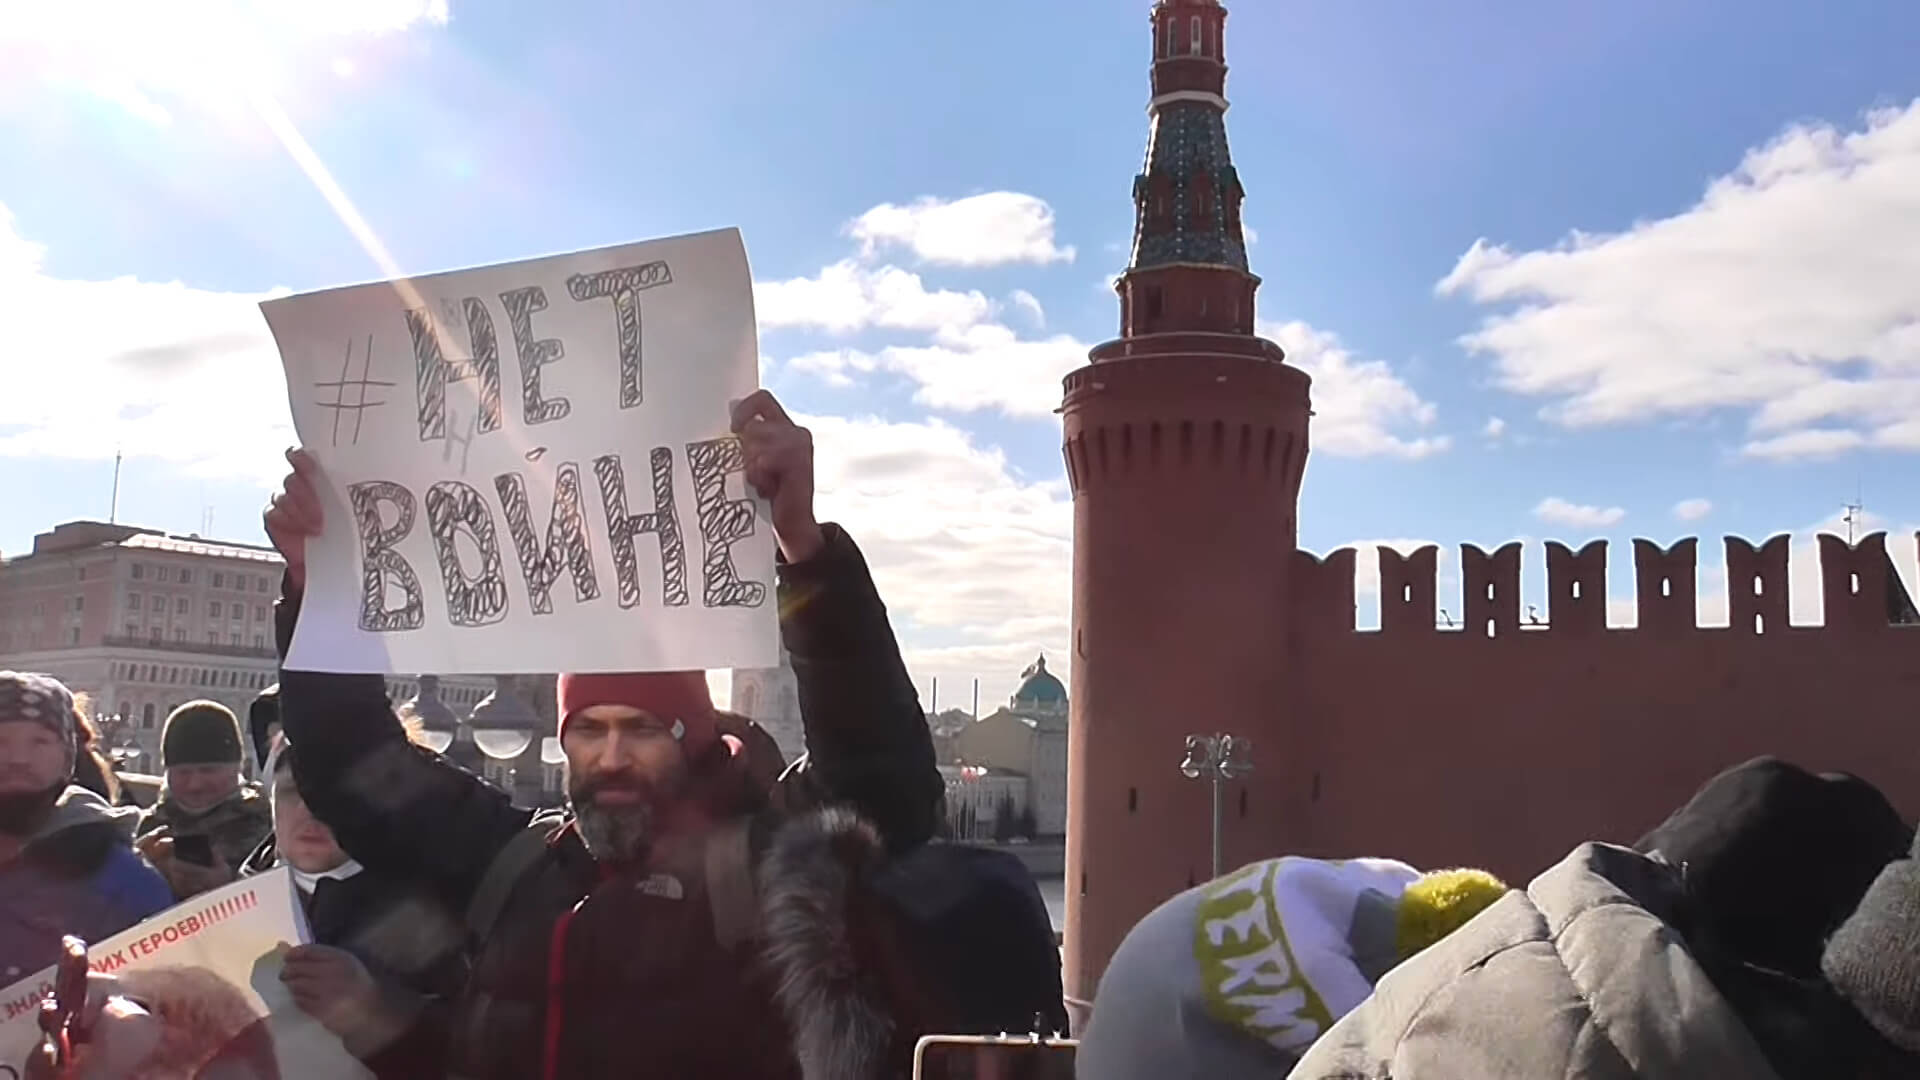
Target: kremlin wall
1499,744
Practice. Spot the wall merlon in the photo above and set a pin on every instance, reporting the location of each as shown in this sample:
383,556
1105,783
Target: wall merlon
1491,589
1666,586
1577,588
1757,584
1408,590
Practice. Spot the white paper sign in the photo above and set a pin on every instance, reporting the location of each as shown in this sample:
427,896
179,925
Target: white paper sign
529,469
209,969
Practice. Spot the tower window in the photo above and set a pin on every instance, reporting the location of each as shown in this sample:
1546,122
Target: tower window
1133,799
1160,203
1166,37
1193,37
1155,303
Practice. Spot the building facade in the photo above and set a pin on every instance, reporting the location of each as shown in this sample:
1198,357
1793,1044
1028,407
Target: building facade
1482,740
142,622
1014,758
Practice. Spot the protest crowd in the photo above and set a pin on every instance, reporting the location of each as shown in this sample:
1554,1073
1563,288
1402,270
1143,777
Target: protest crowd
703,908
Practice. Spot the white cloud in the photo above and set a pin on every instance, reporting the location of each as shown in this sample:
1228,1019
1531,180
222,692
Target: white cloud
970,369
1494,427
1030,304
848,297
993,229
161,369
1692,509
1251,235
1360,407
1790,292
973,557
1558,511
1805,444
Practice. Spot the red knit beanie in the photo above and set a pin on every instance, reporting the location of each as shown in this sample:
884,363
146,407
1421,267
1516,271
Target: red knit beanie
668,695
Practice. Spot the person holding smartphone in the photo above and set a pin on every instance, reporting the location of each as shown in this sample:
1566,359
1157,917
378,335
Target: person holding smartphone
208,818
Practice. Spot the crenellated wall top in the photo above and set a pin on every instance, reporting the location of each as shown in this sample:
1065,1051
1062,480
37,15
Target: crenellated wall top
1862,592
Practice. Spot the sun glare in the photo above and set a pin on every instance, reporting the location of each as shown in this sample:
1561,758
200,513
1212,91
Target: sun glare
159,61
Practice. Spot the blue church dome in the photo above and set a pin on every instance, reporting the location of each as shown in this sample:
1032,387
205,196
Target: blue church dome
1039,688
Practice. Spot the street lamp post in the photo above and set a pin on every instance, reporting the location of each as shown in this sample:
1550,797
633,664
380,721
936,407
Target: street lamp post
1217,758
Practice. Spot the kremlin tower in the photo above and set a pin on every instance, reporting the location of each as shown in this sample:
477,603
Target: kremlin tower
1185,440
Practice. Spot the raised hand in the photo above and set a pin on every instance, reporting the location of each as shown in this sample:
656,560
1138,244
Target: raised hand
779,459
294,514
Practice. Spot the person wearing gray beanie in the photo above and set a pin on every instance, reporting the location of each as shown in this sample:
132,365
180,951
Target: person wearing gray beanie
1873,960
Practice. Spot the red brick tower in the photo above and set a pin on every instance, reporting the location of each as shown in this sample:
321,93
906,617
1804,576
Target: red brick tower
1185,440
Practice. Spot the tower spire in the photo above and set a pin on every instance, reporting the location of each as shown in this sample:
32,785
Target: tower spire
1189,266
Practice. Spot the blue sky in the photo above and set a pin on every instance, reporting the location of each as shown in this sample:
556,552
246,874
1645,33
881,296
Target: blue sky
1556,273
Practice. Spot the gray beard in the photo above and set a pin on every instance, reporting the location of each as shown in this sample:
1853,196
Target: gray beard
622,834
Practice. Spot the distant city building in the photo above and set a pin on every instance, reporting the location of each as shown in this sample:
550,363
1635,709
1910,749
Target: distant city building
1012,760
141,621
771,698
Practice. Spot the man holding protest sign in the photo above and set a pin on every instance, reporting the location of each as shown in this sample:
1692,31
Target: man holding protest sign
665,926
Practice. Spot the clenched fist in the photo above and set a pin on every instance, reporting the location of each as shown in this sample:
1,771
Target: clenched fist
779,460
294,515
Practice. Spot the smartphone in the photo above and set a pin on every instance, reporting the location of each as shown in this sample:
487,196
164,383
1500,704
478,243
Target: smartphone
993,1057
196,849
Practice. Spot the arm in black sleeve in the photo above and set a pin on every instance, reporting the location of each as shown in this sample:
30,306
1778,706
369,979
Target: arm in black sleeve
395,806
867,739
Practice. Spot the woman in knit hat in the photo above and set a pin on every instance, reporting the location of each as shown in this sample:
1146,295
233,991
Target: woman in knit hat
208,818
65,863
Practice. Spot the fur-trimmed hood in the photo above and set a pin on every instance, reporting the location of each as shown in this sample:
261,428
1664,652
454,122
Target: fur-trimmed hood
828,951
